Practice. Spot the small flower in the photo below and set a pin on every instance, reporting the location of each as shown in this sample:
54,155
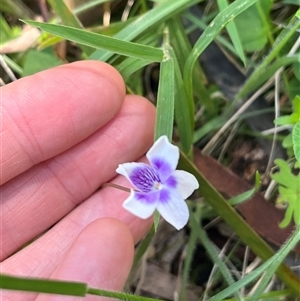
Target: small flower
159,185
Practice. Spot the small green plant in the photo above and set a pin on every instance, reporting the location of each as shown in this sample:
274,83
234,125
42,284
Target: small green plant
289,189
289,183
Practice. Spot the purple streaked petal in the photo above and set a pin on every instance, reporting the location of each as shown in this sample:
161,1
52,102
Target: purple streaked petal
141,176
186,183
141,204
164,157
174,209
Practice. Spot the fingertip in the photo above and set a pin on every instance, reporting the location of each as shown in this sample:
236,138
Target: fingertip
100,69
101,256
51,111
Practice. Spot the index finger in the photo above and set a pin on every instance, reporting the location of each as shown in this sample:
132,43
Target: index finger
47,113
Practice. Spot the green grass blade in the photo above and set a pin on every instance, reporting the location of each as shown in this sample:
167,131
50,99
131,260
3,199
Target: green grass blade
270,266
238,224
100,41
256,81
184,107
197,23
210,249
43,286
16,8
208,127
207,37
182,48
280,42
233,33
131,65
12,64
66,15
6,31
153,17
68,18
86,6
165,98
57,287
191,248
183,110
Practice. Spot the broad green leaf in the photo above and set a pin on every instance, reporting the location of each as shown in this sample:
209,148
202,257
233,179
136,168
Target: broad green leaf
251,28
100,41
287,141
293,118
280,42
296,143
296,106
36,61
285,120
296,69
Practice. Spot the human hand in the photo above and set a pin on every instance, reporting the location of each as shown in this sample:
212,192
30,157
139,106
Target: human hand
64,132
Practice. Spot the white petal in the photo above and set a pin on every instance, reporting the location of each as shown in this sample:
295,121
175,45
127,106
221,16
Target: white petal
186,183
127,169
137,207
164,157
175,211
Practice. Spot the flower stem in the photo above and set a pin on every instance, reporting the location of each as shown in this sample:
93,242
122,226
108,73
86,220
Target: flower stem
116,186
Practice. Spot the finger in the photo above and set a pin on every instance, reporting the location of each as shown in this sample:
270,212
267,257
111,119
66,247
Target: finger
101,256
47,113
38,198
40,258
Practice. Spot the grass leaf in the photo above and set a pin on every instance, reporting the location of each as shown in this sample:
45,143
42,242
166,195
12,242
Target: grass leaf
219,22
153,17
233,33
100,41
